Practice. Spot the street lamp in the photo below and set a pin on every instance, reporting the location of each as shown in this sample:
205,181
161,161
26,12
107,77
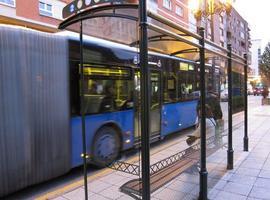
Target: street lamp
206,8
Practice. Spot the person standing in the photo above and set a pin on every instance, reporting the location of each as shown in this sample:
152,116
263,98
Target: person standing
265,92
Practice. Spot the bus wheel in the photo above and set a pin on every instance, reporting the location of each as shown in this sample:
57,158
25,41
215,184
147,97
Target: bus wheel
106,147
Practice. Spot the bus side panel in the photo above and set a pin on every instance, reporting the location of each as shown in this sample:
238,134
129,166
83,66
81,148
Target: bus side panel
34,108
123,119
188,113
178,116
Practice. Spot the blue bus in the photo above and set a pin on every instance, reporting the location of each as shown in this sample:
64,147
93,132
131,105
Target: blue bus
40,119
112,98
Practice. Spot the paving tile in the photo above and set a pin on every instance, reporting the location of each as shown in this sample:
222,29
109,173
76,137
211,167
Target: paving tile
262,182
220,175
262,155
215,159
213,193
181,186
243,179
264,174
190,178
211,166
212,182
170,194
237,188
252,165
195,191
189,197
266,166
99,197
123,181
112,178
112,192
222,167
77,194
124,197
220,185
228,196
97,186
260,193
248,171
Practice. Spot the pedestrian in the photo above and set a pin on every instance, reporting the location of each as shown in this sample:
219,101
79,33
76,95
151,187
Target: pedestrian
214,111
265,92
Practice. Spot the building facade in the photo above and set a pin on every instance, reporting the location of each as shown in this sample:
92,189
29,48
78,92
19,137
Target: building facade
228,28
175,10
238,33
44,15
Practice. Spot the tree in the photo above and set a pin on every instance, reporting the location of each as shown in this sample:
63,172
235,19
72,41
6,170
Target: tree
265,64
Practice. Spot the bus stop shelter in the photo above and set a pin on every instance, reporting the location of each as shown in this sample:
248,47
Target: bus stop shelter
136,24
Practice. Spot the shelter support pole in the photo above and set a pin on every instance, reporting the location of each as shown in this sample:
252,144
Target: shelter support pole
246,104
203,170
145,101
84,155
230,148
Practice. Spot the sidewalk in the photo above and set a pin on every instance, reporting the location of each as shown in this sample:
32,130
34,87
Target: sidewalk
250,178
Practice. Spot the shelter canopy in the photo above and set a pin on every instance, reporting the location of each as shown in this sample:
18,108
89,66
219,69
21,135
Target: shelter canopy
118,22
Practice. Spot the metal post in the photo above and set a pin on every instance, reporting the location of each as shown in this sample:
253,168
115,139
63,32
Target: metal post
84,155
145,105
203,170
230,148
246,105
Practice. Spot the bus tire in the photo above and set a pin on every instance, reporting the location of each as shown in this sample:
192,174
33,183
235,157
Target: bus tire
106,146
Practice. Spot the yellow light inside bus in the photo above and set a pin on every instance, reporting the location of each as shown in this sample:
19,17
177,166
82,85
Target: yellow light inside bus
183,66
105,72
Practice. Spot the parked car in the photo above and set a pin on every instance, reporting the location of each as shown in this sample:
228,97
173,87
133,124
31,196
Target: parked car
257,91
224,95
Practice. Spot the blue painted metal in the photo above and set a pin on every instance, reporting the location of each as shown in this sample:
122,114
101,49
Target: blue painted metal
178,116
124,120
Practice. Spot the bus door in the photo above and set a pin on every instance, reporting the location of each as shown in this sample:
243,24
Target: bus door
155,103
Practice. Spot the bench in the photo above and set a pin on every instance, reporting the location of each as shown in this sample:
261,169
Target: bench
167,169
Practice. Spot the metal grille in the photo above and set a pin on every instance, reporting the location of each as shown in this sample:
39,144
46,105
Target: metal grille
173,159
156,167
125,167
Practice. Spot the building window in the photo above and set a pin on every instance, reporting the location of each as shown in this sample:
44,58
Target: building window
242,35
242,25
179,11
8,2
222,44
45,9
221,19
221,32
167,4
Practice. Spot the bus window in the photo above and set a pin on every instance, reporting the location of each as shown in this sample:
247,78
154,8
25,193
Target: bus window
155,90
107,90
187,83
169,85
